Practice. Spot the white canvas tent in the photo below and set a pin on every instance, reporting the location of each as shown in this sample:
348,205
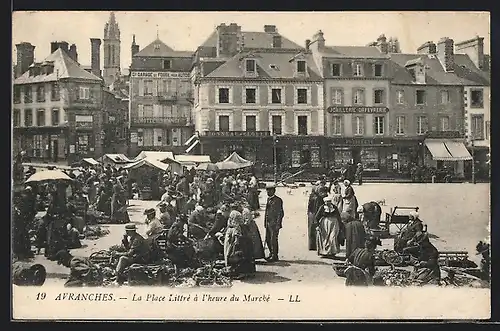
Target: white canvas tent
192,160
154,155
114,159
233,162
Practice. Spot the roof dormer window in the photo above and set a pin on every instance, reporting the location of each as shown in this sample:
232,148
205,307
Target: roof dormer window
250,66
301,66
157,47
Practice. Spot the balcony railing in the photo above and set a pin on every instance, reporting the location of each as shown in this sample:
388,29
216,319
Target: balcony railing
161,120
236,133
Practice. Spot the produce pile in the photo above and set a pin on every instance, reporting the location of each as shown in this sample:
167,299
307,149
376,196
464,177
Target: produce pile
94,232
392,277
162,272
461,278
97,217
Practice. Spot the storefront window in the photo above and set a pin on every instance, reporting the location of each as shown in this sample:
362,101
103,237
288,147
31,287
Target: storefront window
38,145
315,157
369,158
342,156
83,143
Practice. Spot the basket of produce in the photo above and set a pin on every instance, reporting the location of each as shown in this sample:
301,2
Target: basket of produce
392,277
93,232
339,268
101,257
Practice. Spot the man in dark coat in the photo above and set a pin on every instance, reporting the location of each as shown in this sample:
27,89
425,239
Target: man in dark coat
311,212
273,219
82,271
371,214
427,268
137,251
354,233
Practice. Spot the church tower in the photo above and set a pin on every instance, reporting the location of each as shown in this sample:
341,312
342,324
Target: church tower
111,45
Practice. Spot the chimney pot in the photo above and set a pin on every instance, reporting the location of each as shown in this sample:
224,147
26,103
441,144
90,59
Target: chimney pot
445,53
308,44
95,56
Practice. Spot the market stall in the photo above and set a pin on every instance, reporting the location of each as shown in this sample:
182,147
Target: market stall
190,161
116,160
234,162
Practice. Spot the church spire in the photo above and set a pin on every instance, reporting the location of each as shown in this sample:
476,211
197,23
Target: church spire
111,29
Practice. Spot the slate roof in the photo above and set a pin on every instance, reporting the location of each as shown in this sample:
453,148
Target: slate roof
285,69
352,52
159,49
465,72
255,40
64,67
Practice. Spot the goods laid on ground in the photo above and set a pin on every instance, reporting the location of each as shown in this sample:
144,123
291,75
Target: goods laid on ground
28,274
94,232
162,272
392,277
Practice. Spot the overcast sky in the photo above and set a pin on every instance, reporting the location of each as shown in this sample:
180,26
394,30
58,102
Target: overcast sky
187,30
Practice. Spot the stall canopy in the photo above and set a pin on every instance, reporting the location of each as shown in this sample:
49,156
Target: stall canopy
447,150
234,161
114,159
148,162
154,155
90,161
192,159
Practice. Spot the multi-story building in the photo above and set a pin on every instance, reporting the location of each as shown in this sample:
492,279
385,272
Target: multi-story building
357,104
474,66
160,98
115,122
427,96
251,86
57,108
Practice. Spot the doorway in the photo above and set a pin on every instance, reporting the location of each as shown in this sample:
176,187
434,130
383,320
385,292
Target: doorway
356,155
55,150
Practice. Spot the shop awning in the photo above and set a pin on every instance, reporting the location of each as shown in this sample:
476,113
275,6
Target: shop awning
447,150
458,150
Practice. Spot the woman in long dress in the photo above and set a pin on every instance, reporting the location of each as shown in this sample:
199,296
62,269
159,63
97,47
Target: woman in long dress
311,221
253,232
328,220
349,203
238,248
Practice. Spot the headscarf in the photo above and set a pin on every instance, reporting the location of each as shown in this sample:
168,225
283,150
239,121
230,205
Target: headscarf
247,216
235,219
337,199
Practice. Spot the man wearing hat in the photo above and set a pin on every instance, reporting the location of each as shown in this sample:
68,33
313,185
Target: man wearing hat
154,226
137,251
273,220
166,219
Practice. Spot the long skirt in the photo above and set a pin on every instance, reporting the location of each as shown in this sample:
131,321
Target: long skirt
254,234
327,236
311,226
349,206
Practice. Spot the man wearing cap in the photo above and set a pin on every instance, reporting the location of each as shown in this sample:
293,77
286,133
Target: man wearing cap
154,226
137,251
273,220
359,173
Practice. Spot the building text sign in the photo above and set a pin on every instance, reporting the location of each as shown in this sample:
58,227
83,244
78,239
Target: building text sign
153,74
355,109
237,133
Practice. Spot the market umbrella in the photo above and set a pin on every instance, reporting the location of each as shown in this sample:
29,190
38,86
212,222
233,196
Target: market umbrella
207,167
48,175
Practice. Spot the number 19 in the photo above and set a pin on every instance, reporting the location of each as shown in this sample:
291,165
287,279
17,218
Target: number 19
41,296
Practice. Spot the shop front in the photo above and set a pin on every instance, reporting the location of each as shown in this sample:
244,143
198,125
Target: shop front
84,138
294,152
250,145
44,144
375,154
446,150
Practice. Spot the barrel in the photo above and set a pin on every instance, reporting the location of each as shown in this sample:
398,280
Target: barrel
28,274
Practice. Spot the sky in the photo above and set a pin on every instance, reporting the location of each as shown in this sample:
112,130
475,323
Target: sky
185,31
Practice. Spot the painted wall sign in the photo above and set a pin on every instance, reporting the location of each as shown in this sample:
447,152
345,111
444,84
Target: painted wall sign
147,74
355,109
237,133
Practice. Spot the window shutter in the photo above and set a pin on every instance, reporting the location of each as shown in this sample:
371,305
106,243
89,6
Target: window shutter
362,97
140,110
217,95
141,87
295,96
155,87
354,126
230,92
341,118
244,95
353,94
374,124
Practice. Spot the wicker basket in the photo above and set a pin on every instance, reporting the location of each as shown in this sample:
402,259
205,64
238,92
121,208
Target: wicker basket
339,269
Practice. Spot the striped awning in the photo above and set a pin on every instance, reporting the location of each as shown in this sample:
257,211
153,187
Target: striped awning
447,150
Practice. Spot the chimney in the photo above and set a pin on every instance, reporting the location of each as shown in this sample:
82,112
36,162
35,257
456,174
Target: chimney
308,44
270,29
394,46
229,40
72,53
95,56
475,49
55,45
134,48
445,53
25,57
382,44
320,39
277,41
427,48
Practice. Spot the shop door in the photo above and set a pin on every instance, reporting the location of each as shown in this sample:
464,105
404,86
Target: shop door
356,155
55,150
280,157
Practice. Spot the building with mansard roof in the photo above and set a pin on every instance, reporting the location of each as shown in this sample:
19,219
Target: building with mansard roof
251,86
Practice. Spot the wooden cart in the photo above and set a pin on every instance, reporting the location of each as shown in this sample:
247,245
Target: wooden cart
399,216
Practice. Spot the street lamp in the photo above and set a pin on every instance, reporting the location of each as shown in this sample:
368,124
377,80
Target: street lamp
275,140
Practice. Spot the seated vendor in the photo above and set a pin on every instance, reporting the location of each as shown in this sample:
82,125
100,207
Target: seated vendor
137,251
221,217
72,237
154,226
179,247
82,271
415,225
361,264
166,219
426,271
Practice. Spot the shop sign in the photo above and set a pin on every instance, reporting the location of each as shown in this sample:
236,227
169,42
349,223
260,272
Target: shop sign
359,142
355,109
443,135
84,121
147,74
237,133
133,137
